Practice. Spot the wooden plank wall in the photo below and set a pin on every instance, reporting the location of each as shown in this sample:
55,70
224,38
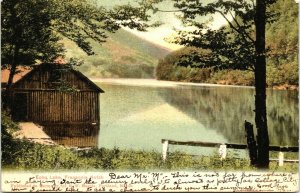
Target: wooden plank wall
70,130
63,114
81,142
54,106
40,80
73,135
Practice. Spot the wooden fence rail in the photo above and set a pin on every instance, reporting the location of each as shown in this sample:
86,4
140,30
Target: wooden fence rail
280,149
228,145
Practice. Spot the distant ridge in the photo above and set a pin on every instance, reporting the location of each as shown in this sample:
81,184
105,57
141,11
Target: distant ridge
123,55
153,49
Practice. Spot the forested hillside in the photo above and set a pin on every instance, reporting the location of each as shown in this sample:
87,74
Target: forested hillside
282,62
122,55
282,40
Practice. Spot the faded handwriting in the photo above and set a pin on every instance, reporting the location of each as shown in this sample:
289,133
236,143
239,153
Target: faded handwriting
152,181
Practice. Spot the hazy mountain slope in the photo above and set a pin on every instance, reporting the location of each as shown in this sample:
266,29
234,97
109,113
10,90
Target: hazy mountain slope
123,55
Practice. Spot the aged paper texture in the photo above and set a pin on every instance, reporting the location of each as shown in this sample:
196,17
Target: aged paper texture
149,96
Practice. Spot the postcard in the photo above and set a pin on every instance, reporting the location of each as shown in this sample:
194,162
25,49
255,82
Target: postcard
149,96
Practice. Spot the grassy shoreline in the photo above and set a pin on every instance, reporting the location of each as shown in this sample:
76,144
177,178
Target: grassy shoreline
26,155
20,155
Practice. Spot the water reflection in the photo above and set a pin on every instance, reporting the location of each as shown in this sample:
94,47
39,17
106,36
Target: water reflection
225,109
134,117
139,117
73,135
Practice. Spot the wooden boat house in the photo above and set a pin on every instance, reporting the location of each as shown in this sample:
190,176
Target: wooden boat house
59,98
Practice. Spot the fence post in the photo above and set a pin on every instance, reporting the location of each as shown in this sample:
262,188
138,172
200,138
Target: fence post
222,151
165,144
251,143
280,158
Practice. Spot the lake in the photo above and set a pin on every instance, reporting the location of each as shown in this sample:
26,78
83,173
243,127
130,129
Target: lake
137,116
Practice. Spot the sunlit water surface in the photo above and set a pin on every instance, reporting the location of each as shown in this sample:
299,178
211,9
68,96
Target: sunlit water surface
138,117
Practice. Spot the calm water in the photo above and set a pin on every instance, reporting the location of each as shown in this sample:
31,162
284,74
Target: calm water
135,117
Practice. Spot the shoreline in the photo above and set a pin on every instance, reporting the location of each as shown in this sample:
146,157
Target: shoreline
167,83
157,83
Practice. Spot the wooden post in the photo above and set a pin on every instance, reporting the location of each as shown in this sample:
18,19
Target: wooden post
251,143
165,144
222,151
280,158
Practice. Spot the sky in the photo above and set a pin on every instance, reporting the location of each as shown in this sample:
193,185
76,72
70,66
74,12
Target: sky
167,29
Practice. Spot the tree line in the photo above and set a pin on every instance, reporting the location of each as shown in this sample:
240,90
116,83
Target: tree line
282,61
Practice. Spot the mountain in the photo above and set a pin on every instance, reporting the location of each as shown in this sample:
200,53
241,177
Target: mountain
123,55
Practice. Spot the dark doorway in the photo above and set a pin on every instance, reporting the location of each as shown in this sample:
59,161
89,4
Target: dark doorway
19,112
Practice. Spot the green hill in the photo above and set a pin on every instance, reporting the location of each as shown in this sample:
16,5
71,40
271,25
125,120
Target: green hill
123,55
